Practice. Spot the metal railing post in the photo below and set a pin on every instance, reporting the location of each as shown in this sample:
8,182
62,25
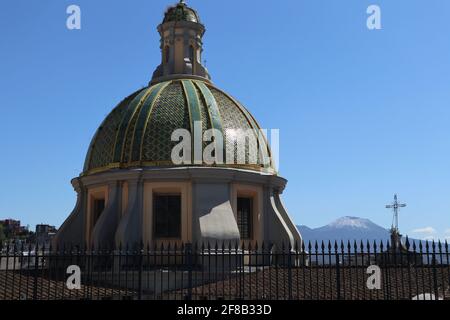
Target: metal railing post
36,265
338,277
289,273
141,266
188,253
435,280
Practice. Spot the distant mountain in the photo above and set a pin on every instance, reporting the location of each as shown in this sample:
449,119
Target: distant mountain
352,229
346,229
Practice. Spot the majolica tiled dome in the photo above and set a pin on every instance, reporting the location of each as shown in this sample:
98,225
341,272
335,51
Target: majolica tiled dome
181,12
138,131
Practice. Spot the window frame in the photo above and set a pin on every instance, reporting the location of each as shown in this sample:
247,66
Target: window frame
250,218
155,235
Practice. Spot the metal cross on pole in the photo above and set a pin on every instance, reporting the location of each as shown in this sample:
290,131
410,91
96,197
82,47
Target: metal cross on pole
395,206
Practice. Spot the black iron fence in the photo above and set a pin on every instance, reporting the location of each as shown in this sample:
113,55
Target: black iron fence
313,271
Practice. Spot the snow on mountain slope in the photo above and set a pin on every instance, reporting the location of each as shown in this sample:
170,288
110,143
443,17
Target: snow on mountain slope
346,229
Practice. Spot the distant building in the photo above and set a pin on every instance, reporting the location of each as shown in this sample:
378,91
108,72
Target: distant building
45,233
12,228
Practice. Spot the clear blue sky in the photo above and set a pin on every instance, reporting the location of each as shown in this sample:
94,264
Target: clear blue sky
362,114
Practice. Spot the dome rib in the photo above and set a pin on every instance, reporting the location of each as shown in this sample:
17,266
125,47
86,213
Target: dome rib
251,120
142,121
125,125
211,103
213,110
169,113
195,113
108,123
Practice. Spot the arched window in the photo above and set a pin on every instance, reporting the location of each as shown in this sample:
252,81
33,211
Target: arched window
166,54
191,53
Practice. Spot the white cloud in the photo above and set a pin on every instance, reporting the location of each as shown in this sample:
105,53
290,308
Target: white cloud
447,231
427,230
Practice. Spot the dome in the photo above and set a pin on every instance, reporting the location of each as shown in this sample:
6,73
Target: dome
181,12
209,185
138,131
